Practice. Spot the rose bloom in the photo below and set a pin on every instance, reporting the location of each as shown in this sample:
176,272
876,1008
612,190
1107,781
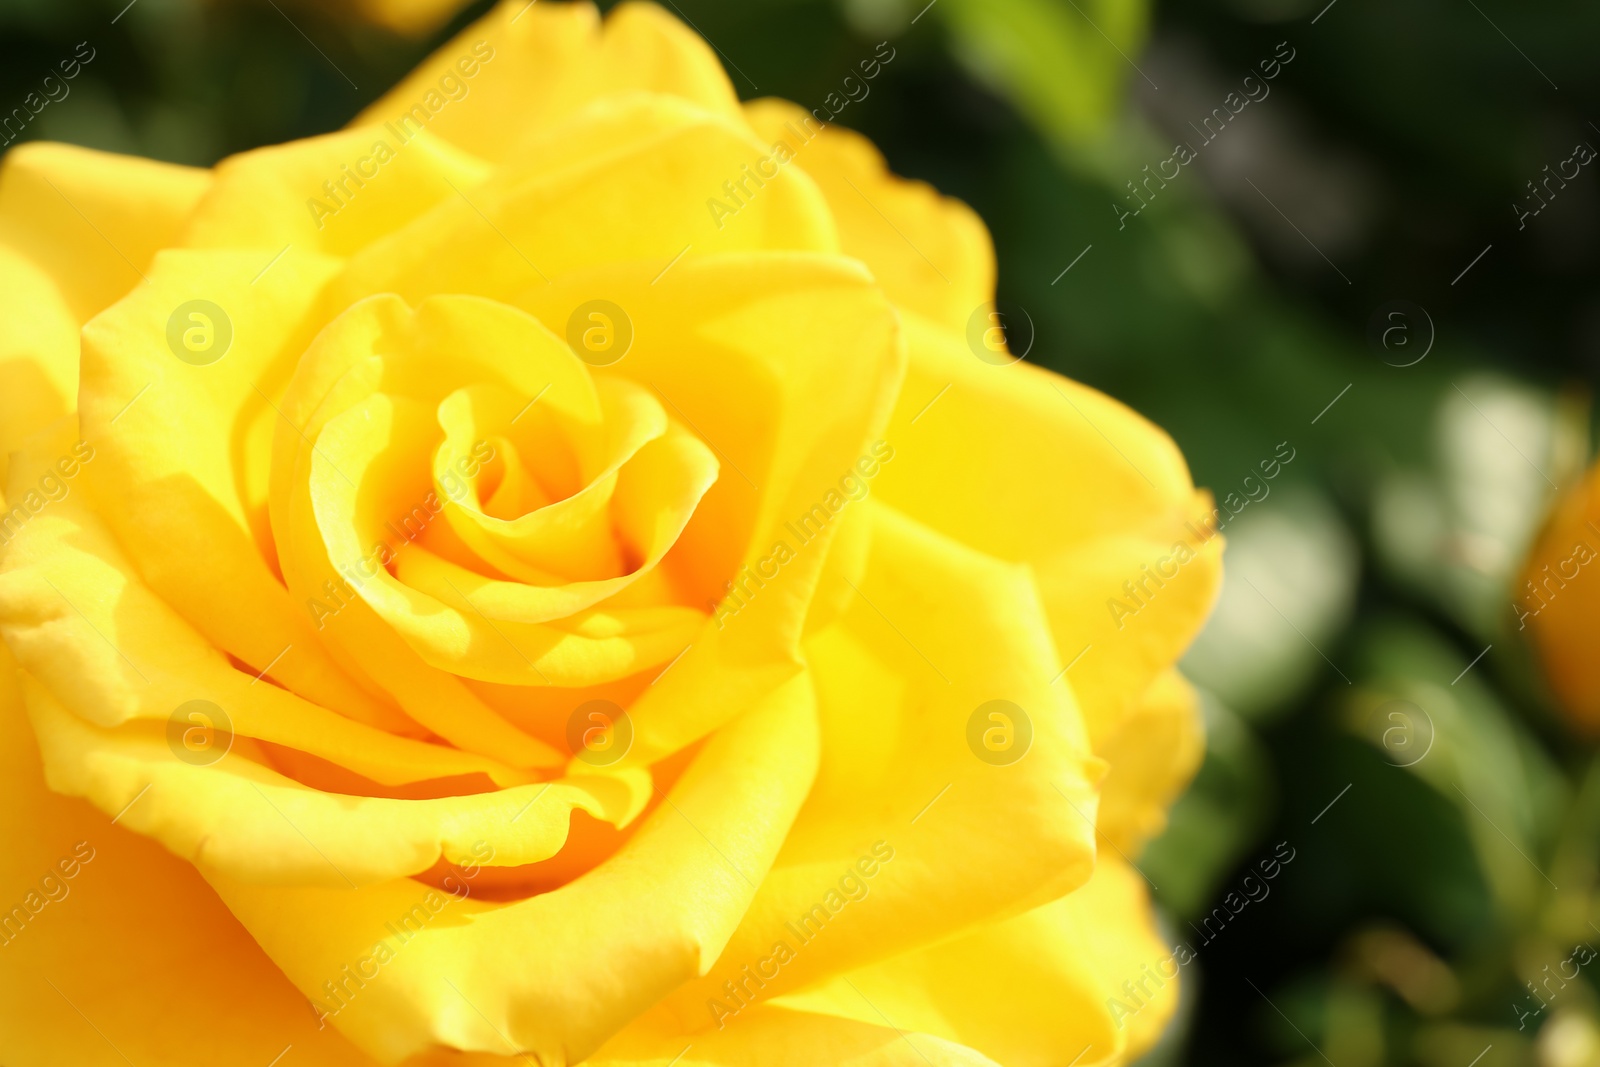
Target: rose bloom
544,575
1557,602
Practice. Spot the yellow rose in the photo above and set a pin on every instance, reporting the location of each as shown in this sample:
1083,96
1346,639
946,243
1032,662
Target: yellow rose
541,573
1558,596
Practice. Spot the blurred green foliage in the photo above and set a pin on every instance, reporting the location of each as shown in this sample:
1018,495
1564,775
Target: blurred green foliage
1237,311
1060,63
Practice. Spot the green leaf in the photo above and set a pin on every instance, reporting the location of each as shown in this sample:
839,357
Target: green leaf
1062,62
1431,710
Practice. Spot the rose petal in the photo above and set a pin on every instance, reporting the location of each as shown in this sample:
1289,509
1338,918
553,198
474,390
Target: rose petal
572,536
637,191
931,253
935,633
183,452
76,229
528,66
977,460
111,664
93,221
80,620
131,957
237,818
1153,752
777,1037
1039,990
783,365
557,974
333,194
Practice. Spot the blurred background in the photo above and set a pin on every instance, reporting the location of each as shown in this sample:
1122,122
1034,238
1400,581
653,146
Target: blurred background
1374,255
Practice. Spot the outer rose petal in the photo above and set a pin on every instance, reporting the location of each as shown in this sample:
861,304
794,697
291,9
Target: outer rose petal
93,220
1153,753
777,1037
1008,460
259,198
1006,467
557,974
1560,600
244,820
931,253
627,179
147,965
38,357
1039,990
1047,440
76,229
545,61
935,259
935,631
